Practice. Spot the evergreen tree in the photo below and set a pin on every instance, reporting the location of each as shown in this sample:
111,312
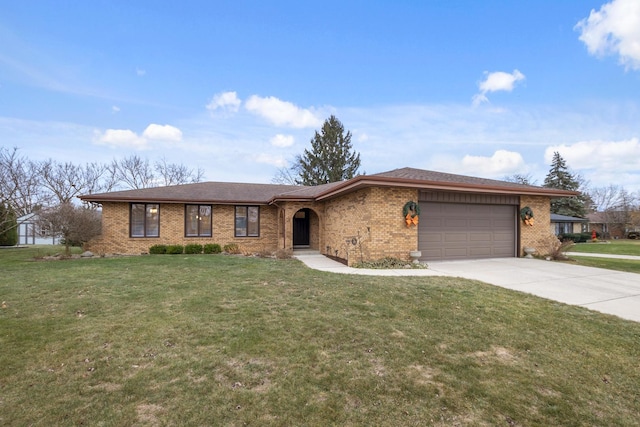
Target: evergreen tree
8,226
331,157
561,178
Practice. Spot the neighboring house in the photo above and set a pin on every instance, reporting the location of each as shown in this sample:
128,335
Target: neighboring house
355,220
562,224
30,232
612,224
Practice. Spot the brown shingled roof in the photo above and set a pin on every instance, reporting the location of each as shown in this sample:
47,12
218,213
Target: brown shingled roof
432,176
201,192
241,193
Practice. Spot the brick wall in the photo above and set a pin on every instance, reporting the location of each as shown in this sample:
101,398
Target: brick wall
115,230
363,225
539,235
368,225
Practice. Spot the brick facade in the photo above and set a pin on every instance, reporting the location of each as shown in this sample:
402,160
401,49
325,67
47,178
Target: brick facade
362,225
538,236
368,225
116,240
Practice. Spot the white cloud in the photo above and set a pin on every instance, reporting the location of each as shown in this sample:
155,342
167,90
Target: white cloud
277,161
614,29
120,138
502,163
126,138
281,140
496,81
160,132
281,113
613,156
115,109
140,72
225,101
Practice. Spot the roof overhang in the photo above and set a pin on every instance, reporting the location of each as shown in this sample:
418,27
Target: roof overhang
364,181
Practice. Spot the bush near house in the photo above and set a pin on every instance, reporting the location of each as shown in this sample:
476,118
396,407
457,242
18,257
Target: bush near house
158,249
232,248
193,248
212,248
175,249
577,237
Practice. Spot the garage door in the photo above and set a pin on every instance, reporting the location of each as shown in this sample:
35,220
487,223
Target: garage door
449,231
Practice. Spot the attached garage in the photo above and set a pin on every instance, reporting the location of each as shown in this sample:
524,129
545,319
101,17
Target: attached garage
467,226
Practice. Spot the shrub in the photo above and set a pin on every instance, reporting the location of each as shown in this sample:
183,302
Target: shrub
175,249
193,248
558,249
158,249
389,263
8,226
284,254
576,237
212,248
232,248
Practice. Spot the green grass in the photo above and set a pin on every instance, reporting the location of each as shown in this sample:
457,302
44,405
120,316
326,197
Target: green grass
615,247
612,247
630,266
226,340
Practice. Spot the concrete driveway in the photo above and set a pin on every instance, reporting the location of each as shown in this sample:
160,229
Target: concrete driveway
606,291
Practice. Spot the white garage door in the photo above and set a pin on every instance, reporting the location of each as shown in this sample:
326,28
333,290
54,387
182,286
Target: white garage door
449,231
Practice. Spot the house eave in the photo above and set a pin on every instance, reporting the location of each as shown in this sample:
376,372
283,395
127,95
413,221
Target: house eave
172,201
363,181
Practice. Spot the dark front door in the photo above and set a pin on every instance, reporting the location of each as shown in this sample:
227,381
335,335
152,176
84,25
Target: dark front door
301,228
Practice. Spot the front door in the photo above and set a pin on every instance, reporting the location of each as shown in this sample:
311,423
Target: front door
301,228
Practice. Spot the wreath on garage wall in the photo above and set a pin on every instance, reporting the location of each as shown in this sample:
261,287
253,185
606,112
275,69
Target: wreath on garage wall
411,213
526,214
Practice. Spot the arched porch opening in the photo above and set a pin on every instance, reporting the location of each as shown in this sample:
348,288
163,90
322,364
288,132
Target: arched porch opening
306,229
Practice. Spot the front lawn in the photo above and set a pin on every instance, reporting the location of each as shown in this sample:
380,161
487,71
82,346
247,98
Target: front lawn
615,247
630,266
227,340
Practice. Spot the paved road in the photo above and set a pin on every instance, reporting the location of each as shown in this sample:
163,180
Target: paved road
606,291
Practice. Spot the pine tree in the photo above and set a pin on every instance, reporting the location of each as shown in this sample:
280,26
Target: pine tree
331,157
8,226
561,178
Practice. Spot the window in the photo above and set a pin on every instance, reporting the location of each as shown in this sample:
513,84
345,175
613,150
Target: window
197,221
563,228
145,220
247,221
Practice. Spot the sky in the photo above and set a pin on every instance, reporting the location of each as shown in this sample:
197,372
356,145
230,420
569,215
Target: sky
238,88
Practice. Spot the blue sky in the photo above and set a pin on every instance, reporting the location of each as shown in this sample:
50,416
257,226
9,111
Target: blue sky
484,88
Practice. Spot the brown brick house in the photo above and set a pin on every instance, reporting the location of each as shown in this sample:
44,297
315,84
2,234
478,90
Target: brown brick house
359,219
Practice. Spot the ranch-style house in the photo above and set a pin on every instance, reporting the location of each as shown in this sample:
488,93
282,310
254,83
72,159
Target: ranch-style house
369,217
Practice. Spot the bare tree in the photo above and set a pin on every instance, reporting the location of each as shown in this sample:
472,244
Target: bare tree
75,224
174,174
63,181
286,176
518,178
19,183
616,206
134,172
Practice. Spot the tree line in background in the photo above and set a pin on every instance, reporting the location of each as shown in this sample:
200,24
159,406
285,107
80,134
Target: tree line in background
49,188
614,203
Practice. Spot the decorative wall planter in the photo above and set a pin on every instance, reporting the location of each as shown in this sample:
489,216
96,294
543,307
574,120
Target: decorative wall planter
529,251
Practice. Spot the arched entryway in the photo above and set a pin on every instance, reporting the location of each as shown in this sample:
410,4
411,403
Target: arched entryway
306,229
302,228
